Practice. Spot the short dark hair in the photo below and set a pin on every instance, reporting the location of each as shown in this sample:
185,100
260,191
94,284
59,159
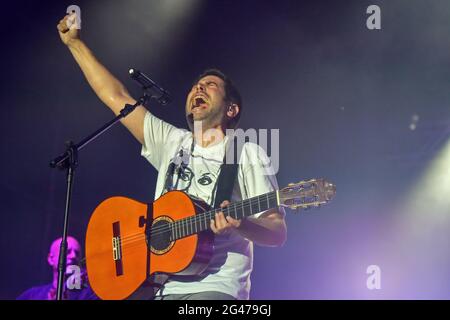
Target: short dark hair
232,94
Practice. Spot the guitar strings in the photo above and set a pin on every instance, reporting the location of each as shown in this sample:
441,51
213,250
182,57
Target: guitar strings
194,219
135,241
185,224
198,217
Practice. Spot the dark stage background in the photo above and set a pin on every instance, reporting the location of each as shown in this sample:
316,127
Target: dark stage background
367,109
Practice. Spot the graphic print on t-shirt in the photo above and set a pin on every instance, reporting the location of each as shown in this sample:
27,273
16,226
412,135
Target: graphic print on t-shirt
205,179
186,175
195,175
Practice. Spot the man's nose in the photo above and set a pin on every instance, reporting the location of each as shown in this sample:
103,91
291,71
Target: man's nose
200,87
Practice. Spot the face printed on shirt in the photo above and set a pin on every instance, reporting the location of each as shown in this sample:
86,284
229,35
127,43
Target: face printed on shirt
196,175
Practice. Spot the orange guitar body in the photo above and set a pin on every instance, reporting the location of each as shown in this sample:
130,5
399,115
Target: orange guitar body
119,258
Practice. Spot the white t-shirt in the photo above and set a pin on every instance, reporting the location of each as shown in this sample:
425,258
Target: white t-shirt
232,262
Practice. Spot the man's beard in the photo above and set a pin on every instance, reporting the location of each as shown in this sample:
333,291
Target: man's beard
208,120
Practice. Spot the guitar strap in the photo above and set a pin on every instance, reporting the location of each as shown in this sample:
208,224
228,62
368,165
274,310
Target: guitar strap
228,173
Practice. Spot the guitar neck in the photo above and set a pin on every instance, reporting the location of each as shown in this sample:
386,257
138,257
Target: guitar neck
238,210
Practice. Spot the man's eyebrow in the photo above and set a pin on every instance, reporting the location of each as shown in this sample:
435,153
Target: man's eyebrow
207,81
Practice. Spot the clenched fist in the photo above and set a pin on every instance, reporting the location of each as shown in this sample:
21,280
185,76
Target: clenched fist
68,35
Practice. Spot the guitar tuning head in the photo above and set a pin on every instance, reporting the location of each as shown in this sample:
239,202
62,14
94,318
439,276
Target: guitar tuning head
307,194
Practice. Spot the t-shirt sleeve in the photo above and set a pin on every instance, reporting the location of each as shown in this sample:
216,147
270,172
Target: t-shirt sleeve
257,173
158,134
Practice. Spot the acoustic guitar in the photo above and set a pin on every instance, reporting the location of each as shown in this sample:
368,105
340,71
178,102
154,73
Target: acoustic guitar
128,241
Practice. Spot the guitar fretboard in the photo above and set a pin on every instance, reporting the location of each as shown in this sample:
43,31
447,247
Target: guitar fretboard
238,210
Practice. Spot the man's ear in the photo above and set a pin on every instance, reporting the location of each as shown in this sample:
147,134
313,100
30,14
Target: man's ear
50,259
233,110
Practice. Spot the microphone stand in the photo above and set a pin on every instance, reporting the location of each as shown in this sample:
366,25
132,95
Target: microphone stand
69,161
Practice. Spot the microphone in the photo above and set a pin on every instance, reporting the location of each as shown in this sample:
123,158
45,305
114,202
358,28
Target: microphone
147,83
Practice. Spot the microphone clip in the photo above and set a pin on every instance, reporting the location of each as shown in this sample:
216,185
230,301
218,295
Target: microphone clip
151,87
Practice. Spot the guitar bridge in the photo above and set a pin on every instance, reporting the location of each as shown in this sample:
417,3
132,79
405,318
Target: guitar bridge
117,248
117,254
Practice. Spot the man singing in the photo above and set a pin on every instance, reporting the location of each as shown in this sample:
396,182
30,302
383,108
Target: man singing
214,104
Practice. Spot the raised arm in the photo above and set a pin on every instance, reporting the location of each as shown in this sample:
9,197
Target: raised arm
110,90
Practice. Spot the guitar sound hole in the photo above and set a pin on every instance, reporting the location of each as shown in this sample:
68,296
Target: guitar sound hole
160,237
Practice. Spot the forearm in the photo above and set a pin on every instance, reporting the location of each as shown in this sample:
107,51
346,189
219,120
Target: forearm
105,85
108,88
267,230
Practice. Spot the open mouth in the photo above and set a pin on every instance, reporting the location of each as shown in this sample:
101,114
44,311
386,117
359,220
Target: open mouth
199,102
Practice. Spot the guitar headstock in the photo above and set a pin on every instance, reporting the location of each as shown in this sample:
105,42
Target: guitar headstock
306,194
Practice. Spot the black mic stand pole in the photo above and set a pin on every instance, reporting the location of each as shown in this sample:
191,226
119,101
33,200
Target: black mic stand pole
69,161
